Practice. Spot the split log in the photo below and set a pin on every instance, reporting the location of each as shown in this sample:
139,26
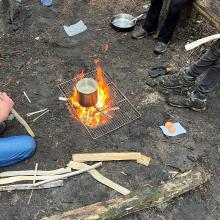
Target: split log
138,200
86,157
99,177
31,186
39,172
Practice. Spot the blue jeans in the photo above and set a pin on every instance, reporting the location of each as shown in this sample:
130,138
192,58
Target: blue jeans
209,63
16,149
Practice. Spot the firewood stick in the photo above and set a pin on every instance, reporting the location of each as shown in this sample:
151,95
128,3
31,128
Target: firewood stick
39,172
99,177
86,157
142,198
57,183
201,41
23,122
69,174
40,115
33,113
13,179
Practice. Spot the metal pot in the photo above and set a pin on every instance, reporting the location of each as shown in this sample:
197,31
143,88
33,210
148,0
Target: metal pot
87,92
125,22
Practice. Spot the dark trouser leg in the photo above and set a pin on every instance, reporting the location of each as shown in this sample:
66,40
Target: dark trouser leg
209,82
151,22
206,61
172,19
209,61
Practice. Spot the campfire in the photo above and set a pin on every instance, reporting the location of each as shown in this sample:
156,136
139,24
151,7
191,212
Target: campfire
96,115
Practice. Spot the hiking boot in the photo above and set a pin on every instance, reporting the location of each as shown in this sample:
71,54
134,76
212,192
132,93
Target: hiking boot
2,128
141,33
191,102
177,81
160,47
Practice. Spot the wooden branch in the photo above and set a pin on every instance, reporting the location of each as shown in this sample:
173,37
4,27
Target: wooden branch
69,174
30,186
201,41
138,200
14,179
39,172
85,157
23,122
99,177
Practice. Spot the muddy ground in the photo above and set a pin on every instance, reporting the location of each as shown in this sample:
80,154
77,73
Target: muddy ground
37,66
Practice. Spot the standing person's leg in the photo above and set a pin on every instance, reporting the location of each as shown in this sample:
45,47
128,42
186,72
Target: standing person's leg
209,82
187,78
197,99
207,60
16,149
169,24
151,22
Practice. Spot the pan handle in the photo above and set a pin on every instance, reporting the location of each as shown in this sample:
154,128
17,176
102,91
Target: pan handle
138,18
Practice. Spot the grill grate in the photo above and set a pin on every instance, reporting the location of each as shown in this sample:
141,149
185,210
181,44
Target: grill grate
126,114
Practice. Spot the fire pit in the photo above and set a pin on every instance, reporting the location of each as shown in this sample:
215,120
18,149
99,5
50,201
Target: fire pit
110,102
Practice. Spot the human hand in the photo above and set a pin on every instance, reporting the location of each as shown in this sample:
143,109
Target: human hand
6,105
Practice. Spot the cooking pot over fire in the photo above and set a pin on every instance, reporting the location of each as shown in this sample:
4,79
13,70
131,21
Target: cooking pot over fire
87,93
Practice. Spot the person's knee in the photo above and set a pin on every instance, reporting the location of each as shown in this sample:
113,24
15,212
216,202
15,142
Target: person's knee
28,146
177,5
15,149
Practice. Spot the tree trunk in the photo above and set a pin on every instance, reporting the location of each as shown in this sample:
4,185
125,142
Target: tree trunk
143,198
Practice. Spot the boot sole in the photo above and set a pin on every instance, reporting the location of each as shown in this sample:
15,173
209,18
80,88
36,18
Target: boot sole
176,87
192,108
145,35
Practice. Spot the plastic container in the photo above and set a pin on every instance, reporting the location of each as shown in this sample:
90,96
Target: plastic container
46,2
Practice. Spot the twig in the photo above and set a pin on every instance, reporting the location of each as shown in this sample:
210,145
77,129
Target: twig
33,113
40,115
35,174
27,97
23,122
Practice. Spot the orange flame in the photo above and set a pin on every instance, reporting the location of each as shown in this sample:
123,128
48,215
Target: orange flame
90,116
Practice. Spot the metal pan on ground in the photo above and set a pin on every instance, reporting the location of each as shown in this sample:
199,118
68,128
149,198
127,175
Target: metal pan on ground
125,22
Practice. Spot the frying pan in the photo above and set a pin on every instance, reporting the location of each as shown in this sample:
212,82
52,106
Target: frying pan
87,93
125,22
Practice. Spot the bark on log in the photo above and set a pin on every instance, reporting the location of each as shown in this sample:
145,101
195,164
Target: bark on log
210,9
138,200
